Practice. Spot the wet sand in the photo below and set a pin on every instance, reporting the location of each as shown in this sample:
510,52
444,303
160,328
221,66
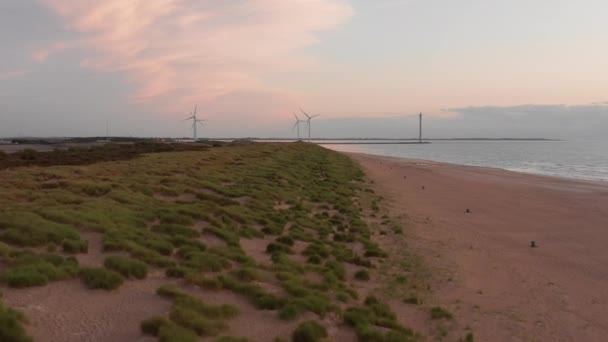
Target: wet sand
484,269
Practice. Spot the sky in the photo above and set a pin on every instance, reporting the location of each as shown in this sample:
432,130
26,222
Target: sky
475,68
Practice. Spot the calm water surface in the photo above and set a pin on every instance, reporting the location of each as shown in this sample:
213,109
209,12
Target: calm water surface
571,159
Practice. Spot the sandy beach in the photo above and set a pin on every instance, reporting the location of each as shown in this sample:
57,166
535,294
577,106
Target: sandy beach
484,268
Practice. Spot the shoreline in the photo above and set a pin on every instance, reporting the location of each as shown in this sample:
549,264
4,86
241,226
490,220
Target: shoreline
540,173
482,265
586,181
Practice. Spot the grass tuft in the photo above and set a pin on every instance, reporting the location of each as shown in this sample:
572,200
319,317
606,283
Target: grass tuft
100,278
127,267
309,331
438,312
11,328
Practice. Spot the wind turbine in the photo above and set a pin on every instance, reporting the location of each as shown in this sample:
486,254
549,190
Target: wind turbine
297,124
195,121
308,121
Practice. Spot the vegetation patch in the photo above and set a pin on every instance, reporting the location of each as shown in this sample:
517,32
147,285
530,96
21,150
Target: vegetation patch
149,201
27,270
11,326
438,312
128,267
376,322
101,278
309,331
193,314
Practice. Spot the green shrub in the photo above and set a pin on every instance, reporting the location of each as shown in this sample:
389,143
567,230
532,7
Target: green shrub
175,333
151,326
29,270
314,259
367,319
11,329
203,281
289,312
362,275
245,274
101,278
74,247
278,248
205,262
193,320
438,312
128,267
175,272
202,308
286,240
412,300
24,277
231,339
309,331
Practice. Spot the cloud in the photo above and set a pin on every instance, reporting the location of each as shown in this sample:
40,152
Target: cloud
179,52
531,120
42,54
12,74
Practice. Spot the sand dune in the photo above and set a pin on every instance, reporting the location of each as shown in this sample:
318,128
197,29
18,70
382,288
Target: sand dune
485,269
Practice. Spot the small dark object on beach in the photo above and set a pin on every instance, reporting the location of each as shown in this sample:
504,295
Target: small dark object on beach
404,177
468,211
533,244
423,187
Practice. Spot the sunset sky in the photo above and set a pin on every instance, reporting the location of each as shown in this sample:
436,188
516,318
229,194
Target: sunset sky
474,67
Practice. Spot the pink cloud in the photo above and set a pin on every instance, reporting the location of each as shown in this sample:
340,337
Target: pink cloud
42,54
179,52
12,74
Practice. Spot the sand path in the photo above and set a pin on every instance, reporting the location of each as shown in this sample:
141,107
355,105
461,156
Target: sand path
484,269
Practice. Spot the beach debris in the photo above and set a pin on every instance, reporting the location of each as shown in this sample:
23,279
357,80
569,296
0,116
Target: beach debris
404,177
468,211
423,187
533,244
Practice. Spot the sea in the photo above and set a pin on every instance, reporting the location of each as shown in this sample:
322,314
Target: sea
569,159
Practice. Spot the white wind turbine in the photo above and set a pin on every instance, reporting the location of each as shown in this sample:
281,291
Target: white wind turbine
297,124
195,121
308,121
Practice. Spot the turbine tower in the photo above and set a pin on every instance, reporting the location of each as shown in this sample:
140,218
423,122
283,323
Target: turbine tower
195,121
297,124
308,121
420,130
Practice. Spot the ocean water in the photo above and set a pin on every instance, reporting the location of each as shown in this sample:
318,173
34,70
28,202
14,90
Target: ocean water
570,159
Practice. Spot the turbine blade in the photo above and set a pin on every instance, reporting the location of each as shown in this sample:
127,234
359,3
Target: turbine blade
308,116
190,118
314,116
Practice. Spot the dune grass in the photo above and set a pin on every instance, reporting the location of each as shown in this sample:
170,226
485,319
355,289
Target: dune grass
309,331
127,267
101,278
10,326
157,204
192,314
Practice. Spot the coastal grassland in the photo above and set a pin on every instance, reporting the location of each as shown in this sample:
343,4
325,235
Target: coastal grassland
280,225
